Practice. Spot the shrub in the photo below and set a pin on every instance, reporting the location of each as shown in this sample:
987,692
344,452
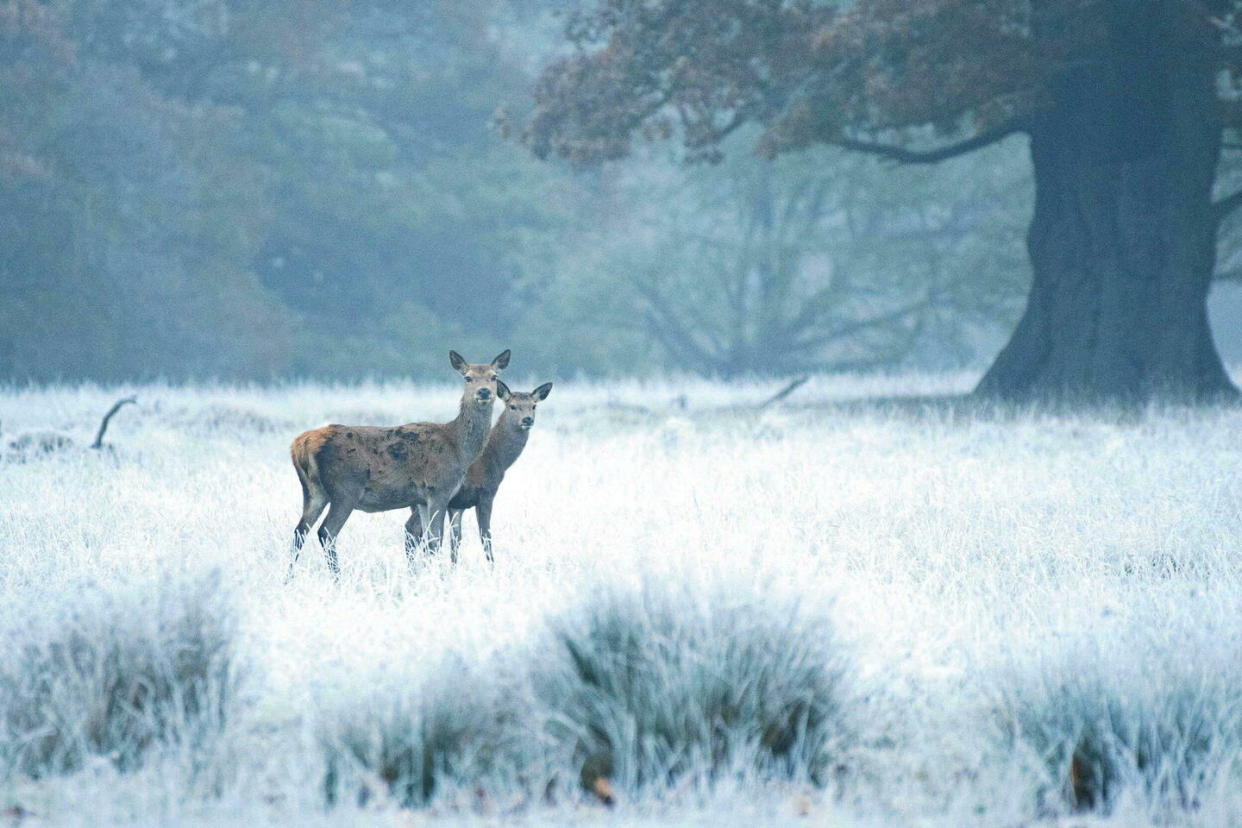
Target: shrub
646,687
452,727
114,674
1159,732
34,445
214,420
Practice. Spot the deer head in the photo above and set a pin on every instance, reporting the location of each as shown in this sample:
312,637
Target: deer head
482,380
520,407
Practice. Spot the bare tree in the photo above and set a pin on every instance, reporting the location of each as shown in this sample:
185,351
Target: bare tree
753,267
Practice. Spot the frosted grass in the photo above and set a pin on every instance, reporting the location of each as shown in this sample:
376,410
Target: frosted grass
972,568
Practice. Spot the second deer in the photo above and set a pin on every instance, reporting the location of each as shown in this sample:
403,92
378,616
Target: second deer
504,446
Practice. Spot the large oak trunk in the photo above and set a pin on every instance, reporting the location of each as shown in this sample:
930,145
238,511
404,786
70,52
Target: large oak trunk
1123,237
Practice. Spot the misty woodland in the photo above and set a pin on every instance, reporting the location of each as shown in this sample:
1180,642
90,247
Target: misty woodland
629,412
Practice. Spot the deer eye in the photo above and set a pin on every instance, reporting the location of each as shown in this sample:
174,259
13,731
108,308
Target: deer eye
513,408
469,379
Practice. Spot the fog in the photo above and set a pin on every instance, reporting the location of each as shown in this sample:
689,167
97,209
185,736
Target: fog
225,190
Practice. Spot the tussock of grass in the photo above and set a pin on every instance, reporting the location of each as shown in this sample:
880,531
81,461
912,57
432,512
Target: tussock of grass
34,445
456,727
216,419
114,673
1137,726
645,687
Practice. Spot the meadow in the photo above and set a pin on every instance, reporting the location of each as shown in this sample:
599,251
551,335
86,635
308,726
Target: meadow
845,608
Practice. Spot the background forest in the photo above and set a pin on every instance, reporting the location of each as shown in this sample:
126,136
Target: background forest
245,190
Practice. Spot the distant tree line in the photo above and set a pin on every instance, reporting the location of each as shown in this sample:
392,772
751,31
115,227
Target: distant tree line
247,190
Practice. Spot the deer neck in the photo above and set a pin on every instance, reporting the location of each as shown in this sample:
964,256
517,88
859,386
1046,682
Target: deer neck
472,425
505,444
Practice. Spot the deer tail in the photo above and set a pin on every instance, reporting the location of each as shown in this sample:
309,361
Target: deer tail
302,452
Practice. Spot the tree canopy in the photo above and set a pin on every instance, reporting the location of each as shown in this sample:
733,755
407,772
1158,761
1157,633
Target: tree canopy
885,76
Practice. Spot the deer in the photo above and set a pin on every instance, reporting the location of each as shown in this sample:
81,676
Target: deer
378,469
483,478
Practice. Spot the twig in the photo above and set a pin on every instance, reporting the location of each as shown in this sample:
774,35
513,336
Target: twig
103,425
783,393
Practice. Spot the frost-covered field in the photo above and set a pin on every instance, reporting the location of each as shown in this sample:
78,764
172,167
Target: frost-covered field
847,614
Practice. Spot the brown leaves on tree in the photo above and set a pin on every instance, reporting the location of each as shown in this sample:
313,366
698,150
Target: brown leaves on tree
814,72
645,69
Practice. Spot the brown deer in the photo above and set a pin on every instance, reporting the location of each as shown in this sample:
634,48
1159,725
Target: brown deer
483,479
376,469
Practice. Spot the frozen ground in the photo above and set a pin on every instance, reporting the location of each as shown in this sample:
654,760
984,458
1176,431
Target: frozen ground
988,596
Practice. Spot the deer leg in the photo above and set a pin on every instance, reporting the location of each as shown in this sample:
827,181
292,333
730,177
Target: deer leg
454,532
435,523
483,513
413,533
416,529
424,518
330,528
313,504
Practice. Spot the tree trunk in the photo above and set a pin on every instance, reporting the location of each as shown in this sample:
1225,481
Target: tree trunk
1123,239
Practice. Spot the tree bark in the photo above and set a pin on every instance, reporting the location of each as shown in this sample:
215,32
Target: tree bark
1123,238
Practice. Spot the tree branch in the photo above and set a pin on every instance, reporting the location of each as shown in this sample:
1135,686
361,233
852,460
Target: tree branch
852,328
898,351
783,393
904,155
103,425
711,136
669,330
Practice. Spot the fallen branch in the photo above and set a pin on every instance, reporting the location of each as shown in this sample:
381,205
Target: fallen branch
783,393
103,425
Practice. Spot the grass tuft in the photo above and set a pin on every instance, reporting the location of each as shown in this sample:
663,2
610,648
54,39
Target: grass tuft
1160,734
646,687
36,445
455,728
115,673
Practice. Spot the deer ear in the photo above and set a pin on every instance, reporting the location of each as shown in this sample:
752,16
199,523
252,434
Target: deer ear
502,360
503,391
542,392
458,362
